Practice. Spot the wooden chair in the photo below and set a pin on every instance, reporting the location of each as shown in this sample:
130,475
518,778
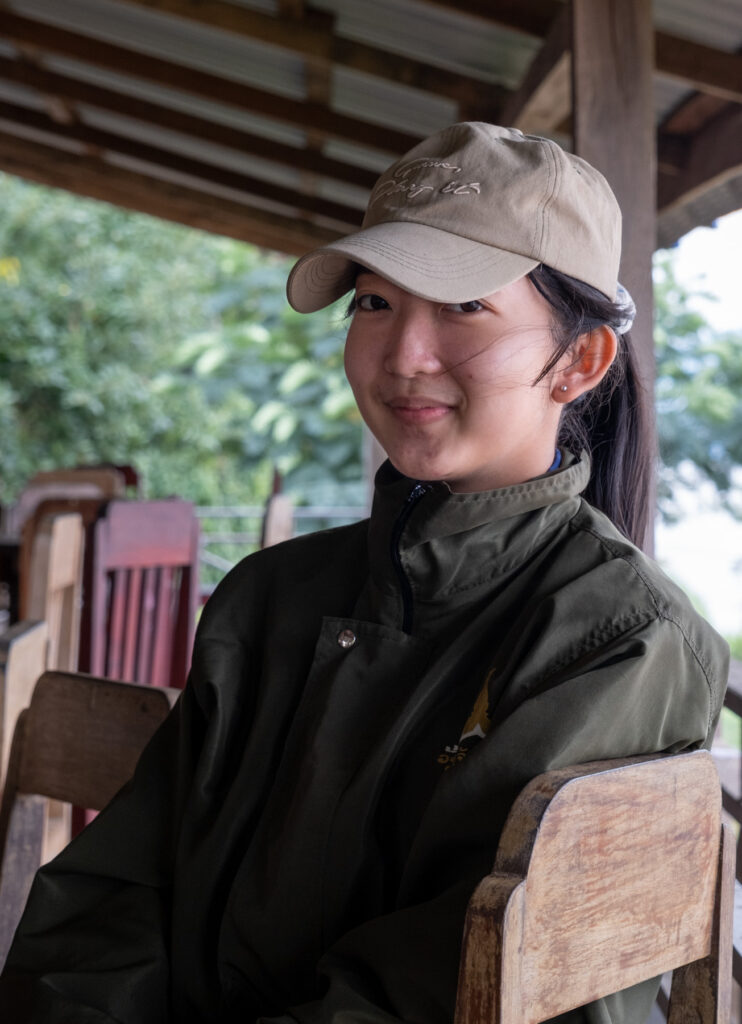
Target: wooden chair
104,482
53,588
142,590
109,479
78,742
606,875
89,509
23,654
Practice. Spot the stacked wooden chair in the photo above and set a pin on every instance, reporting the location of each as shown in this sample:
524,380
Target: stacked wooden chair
77,742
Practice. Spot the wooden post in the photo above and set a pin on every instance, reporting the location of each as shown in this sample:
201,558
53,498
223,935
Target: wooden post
613,119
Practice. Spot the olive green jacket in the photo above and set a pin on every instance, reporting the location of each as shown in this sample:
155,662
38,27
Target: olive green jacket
302,835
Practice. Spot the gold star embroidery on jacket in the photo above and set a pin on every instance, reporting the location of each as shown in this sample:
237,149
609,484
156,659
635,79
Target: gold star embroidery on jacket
475,729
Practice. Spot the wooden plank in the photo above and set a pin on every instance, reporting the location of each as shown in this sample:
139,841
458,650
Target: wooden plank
168,579
143,666
692,115
594,833
614,131
23,658
311,35
532,17
55,585
113,643
112,57
76,91
713,71
544,99
705,68
208,173
702,990
136,191
133,624
712,155
83,739
21,858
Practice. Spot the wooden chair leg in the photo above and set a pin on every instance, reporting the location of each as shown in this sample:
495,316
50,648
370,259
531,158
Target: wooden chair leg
701,992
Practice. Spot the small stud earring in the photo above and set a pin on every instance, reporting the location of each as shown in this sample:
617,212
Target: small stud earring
563,387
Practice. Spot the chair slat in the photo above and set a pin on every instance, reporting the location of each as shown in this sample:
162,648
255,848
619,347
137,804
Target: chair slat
133,625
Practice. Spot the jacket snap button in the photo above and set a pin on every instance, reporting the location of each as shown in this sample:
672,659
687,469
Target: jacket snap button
346,638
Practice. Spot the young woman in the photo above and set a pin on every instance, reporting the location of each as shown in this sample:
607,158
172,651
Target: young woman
302,836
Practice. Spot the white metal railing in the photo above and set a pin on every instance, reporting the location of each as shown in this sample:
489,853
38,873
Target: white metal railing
229,532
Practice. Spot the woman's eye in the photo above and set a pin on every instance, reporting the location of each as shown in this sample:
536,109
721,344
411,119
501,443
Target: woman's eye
473,306
371,302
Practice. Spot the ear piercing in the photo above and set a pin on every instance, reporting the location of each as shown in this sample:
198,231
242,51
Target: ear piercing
563,387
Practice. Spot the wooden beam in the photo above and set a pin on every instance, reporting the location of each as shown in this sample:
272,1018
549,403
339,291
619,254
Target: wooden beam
134,191
311,35
709,70
544,99
712,156
705,68
116,58
348,218
612,58
75,91
532,17
694,113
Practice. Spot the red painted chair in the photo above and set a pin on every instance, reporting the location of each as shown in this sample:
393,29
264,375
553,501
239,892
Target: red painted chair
140,607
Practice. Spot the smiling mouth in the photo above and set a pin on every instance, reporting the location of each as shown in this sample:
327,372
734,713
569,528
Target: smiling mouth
418,408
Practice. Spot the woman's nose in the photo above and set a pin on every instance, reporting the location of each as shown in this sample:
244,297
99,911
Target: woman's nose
412,348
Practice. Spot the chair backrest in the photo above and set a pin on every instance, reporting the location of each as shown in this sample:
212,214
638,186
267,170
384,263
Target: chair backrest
140,611
606,875
90,509
78,741
105,482
53,589
109,480
23,657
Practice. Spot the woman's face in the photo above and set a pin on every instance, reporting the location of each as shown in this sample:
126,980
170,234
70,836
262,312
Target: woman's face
448,389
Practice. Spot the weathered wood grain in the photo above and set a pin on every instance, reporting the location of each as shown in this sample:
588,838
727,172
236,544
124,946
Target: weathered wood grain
606,874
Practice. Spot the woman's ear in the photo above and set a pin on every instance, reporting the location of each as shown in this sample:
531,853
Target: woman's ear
589,361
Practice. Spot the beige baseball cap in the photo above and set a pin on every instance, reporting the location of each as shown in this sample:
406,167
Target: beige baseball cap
468,211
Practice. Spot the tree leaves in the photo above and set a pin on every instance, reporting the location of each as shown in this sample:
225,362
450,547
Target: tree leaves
127,339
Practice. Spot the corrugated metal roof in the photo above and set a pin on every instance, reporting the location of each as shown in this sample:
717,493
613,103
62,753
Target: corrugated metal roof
441,37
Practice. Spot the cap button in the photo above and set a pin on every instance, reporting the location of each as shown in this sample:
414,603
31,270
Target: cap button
346,638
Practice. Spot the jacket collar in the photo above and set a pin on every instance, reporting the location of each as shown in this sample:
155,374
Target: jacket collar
450,546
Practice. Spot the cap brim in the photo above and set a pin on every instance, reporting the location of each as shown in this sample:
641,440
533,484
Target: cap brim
423,260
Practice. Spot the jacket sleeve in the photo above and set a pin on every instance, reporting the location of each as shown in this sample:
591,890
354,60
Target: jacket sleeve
92,946
645,692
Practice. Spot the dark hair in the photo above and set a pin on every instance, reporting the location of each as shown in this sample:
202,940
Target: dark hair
612,422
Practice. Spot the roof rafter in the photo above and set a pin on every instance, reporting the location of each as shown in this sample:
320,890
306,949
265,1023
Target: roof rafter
532,17
312,36
208,173
72,90
709,70
713,154
96,179
704,68
202,83
544,99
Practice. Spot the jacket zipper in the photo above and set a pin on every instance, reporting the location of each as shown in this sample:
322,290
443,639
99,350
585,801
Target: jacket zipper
404,584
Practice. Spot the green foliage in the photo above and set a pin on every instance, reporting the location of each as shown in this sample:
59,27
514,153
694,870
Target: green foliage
127,339
699,383
735,645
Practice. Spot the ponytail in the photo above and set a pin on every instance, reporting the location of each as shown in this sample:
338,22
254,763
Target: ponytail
613,421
